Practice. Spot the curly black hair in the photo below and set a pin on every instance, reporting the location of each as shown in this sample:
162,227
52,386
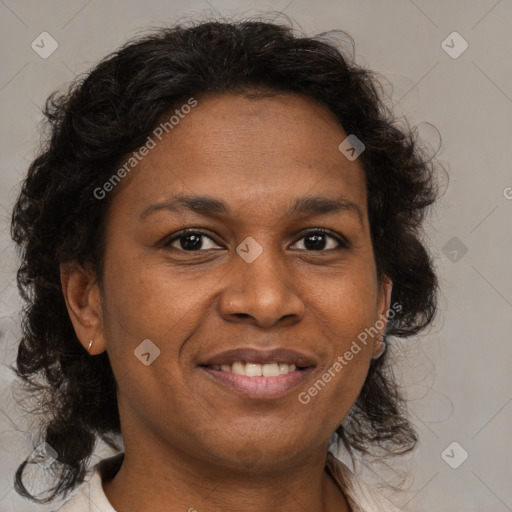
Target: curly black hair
108,113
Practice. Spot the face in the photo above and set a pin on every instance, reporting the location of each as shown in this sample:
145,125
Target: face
276,269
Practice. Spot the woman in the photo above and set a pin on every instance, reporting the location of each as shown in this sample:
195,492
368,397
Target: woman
218,238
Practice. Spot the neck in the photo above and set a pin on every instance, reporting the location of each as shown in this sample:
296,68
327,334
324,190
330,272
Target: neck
196,486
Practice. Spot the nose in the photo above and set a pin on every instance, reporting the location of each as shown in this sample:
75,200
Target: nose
262,293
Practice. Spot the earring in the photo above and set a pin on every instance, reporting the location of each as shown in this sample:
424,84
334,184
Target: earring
90,345
384,346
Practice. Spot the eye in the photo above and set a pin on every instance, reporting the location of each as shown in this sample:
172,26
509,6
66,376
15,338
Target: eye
190,241
320,239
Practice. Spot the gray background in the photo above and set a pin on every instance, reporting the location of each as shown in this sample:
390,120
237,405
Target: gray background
457,375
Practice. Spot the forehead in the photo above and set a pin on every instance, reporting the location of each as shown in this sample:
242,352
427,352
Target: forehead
267,149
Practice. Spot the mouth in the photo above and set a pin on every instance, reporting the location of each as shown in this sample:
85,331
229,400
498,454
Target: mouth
271,369
259,374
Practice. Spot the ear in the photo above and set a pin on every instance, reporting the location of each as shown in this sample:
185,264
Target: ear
383,305
83,301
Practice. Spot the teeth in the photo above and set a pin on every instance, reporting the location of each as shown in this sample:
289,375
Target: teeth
270,370
283,368
253,370
238,368
256,370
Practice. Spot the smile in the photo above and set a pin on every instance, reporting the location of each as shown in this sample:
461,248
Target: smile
272,369
258,381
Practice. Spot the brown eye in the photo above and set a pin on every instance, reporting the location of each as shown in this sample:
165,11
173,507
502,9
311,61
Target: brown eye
191,241
321,239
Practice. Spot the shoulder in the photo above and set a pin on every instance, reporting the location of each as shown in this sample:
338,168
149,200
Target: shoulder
90,497
361,496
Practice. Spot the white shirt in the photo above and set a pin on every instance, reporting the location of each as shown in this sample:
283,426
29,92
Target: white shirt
90,497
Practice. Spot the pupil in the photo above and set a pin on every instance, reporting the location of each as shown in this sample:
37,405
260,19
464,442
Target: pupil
316,240
196,242
312,242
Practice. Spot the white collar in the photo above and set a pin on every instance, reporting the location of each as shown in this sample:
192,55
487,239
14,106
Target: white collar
361,496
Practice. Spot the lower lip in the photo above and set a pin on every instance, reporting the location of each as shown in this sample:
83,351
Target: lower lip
259,387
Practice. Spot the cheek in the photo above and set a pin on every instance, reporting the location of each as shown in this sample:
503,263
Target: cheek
336,388
345,303
147,300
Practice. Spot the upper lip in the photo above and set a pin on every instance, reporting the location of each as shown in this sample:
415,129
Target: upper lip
258,356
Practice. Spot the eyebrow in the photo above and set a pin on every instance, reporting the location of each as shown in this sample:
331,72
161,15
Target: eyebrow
210,206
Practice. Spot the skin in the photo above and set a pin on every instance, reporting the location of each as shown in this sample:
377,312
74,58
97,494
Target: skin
191,443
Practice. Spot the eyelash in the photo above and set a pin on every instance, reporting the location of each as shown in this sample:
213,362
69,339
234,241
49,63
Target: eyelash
342,241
